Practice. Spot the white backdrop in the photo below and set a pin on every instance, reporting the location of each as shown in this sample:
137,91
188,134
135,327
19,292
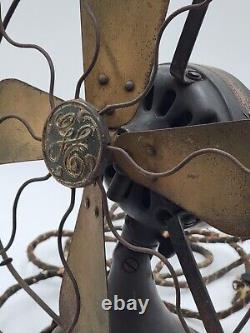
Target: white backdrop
55,25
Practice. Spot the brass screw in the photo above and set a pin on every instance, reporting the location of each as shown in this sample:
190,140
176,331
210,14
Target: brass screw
103,79
129,85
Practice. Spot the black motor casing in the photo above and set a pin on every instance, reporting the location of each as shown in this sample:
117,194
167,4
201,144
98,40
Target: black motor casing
212,96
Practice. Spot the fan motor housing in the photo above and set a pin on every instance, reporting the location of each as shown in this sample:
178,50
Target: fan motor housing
211,96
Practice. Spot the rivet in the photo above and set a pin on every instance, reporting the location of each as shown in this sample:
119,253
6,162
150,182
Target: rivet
103,79
194,75
129,85
87,203
110,112
130,265
96,211
150,150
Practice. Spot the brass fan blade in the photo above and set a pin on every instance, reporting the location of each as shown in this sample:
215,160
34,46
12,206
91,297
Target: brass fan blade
128,31
87,262
211,186
30,104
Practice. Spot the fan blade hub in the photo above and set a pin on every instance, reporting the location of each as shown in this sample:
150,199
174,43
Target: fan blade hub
74,144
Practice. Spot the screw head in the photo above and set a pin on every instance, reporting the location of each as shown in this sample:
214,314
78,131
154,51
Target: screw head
194,75
129,85
103,79
150,150
130,265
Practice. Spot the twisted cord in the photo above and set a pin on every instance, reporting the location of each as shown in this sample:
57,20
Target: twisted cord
26,287
8,261
144,250
239,301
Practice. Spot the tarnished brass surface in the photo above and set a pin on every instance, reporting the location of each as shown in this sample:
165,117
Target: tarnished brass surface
128,31
210,186
87,262
29,103
74,141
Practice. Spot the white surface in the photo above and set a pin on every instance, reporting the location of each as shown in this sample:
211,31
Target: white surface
55,26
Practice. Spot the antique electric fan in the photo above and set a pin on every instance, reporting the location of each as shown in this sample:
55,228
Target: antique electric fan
168,140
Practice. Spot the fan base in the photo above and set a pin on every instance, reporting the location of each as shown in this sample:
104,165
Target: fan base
131,277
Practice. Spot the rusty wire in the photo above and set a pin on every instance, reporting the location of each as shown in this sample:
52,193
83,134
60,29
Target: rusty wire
9,15
165,261
14,209
25,283
170,18
144,250
194,235
181,164
24,122
65,264
25,286
242,323
7,261
97,48
39,49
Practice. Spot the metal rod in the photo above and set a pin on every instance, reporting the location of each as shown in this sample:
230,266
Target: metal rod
145,250
186,42
9,15
150,83
97,49
26,287
193,276
39,49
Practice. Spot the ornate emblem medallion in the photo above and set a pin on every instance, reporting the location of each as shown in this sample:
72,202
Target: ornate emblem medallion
74,140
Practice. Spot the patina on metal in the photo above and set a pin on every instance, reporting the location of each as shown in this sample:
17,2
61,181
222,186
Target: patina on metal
87,262
18,99
126,53
193,276
186,44
74,144
211,186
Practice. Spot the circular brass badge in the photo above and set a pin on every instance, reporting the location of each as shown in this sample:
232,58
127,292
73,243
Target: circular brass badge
74,141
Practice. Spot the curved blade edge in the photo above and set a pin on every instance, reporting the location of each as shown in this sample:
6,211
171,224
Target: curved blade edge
30,104
210,186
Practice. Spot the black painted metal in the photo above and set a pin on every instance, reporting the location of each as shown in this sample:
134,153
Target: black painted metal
186,44
218,97
193,276
136,281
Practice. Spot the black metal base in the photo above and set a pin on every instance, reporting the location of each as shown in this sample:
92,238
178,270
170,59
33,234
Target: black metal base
131,278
